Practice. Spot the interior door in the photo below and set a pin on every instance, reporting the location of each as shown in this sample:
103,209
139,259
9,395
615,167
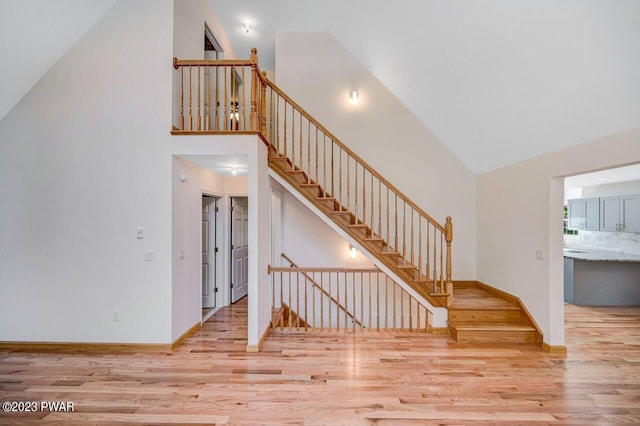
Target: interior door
239,248
209,222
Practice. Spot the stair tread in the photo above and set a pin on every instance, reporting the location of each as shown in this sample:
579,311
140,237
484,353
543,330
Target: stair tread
294,171
390,253
407,266
310,185
357,225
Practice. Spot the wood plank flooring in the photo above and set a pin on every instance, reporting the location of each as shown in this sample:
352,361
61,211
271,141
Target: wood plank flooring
341,378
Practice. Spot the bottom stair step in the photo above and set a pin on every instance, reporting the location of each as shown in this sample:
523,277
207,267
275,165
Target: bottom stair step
489,332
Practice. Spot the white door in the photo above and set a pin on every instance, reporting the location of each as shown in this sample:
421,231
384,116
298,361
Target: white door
209,225
239,248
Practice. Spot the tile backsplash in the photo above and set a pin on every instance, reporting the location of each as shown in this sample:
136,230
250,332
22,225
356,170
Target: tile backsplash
619,242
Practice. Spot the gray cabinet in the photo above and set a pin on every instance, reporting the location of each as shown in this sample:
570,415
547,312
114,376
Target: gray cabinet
630,213
584,214
609,214
620,214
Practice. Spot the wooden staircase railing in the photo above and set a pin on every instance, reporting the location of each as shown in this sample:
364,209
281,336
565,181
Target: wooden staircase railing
319,287
220,96
372,210
343,299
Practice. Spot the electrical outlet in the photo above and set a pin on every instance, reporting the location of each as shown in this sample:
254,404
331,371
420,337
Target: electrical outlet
180,254
116,315
540,254
149,256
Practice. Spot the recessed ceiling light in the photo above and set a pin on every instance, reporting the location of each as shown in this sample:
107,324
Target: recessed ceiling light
603,179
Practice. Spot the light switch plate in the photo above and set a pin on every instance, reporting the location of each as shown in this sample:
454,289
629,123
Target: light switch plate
139,232
540,254
180,254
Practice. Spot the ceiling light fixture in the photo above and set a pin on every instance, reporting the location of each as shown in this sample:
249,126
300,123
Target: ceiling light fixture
247,28
354,95
603,179
234,170
353,252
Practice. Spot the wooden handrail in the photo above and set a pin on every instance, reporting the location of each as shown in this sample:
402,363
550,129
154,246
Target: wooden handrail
382,303
355,156
295,268
271,269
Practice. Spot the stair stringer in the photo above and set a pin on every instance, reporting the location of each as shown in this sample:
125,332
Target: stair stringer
439,315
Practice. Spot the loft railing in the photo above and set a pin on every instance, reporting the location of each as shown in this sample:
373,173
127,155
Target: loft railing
342,299
215,97
220,95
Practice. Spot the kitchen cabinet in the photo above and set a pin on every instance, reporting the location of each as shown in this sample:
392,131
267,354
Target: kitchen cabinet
584,214
620,214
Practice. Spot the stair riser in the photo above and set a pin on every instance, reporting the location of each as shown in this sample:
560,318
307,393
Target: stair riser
327,205
502,316
298,177
494,336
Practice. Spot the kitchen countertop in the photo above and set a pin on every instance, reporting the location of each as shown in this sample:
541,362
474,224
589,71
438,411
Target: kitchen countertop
600,256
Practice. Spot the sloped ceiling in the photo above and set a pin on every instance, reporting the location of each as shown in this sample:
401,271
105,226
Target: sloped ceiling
34,35
498,81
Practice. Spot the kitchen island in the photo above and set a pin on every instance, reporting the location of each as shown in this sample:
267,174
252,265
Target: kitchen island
596,278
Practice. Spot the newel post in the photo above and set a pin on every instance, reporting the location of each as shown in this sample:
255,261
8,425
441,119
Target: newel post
254,89
263,104
448,226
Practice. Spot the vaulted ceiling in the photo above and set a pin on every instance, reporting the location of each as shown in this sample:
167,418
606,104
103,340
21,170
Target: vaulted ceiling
34,35
498,81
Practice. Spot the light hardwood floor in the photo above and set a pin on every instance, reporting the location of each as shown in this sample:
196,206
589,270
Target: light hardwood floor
340,378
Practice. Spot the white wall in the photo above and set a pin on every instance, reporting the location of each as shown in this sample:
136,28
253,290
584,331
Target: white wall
318,73
520,210
186,223
308,241
84,160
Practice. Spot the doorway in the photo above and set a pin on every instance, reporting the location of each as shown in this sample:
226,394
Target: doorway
239,248
209,255
212,49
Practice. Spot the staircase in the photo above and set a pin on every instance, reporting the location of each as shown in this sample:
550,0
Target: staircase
481,314
396,233
355,227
